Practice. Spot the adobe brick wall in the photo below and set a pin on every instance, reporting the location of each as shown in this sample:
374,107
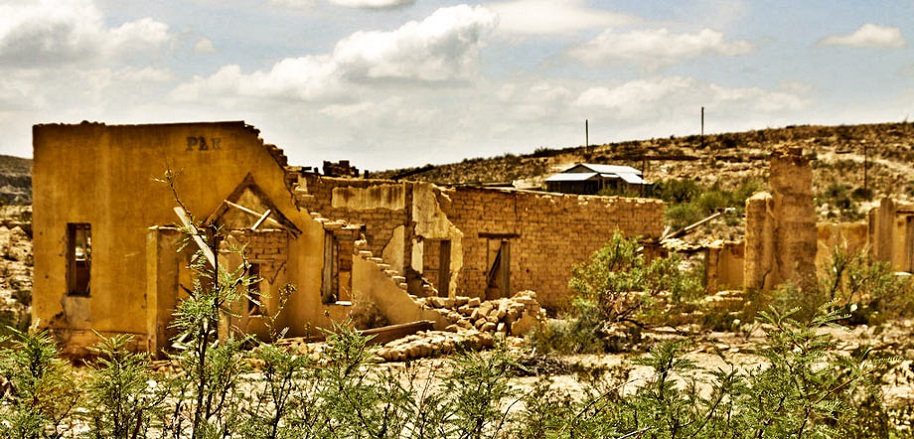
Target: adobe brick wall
781,235
380,222
548,234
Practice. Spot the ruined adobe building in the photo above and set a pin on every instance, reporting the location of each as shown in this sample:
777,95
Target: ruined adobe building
106,249
781,226
784,243
891,234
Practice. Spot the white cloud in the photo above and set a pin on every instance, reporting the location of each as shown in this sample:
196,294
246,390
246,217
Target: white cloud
549,17
644,98
869,35
143,75
204,45
373,4
443,47
355,4
55,32
652,49
310,78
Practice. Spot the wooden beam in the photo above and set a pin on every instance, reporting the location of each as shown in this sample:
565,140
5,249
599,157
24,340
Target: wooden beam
262,219
195,235
250,211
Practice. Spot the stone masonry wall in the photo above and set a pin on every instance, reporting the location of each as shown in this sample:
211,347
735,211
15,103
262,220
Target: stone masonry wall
781,236
547,234
369,206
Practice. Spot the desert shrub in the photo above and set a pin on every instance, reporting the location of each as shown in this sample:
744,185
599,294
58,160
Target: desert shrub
868,290
41,394
121,403
615,293
682,215
477,387
803,388
688,202
677,190
713,201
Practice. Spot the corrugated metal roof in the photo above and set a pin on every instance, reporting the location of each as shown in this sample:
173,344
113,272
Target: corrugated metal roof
576,176
586,171
632,179
608,169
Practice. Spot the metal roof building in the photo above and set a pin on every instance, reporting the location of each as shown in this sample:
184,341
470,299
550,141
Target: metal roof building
590,179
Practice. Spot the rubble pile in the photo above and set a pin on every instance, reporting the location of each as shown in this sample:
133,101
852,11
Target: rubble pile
516,315
435,343
473,324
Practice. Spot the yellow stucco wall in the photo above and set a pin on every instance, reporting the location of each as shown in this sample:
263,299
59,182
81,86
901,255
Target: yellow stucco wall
103,175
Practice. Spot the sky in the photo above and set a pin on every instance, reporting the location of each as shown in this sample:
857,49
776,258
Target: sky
398,83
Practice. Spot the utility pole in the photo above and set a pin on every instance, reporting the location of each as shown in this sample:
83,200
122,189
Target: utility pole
866,164
586,135
702,122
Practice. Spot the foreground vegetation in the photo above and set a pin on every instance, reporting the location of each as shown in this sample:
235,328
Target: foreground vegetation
800,387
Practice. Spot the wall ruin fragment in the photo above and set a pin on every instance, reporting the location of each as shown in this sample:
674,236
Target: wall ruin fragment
781,231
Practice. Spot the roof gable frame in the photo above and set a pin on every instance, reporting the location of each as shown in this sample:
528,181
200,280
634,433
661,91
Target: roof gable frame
272,215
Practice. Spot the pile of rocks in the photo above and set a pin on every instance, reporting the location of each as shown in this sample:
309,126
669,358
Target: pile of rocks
516,315
435,343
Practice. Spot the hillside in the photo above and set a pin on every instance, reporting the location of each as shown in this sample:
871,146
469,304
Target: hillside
725,162
726,158
15,180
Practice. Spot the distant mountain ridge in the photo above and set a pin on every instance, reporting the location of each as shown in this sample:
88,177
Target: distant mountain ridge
15,180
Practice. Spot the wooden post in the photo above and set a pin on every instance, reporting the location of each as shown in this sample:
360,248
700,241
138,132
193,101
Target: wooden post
586,135
866,164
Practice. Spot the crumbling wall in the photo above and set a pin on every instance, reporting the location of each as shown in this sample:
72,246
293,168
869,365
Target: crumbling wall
781,232
102,177
547,234
381,206
849,237
724,266
891,234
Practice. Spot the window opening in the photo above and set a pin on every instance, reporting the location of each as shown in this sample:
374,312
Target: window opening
337,273
79,258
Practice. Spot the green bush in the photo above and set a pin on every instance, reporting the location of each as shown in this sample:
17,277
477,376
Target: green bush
615,293
41,394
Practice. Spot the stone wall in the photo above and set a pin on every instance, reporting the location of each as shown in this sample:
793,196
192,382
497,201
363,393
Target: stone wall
891,234
849,237
379,205
541,235
546,233
724,266
781,232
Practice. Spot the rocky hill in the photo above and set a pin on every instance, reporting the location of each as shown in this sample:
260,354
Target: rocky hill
726,159
15,180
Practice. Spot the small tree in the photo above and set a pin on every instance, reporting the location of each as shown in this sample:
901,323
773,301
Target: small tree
41,392
621,285
121,402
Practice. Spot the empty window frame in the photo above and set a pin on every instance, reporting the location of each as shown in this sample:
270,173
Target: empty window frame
337,272
79,258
